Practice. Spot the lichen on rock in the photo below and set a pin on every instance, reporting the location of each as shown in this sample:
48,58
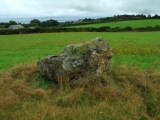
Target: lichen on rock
77,60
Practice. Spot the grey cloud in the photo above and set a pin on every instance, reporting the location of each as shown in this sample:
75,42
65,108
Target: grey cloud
99,8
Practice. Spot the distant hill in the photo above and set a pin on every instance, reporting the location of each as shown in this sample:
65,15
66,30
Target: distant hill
122,24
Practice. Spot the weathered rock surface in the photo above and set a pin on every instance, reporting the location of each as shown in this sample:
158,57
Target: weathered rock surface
77,60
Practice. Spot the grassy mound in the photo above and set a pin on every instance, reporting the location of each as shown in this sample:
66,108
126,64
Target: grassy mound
123,93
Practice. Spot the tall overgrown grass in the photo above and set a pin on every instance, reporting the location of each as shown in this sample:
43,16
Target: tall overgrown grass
124,93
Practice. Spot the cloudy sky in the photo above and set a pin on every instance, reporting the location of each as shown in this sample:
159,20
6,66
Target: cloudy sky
76,8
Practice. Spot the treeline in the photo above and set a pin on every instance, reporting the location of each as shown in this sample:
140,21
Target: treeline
55,23
33,23
36,26
60,29
114,18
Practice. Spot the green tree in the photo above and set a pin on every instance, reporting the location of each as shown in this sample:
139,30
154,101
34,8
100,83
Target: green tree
11,22
149,16
35,23
50,23
156,16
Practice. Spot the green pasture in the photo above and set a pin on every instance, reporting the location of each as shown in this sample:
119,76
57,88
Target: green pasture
141,49
122,24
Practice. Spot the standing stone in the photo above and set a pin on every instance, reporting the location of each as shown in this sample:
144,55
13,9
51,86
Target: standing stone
77,60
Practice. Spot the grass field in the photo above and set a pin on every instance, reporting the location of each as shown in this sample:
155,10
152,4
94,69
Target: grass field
134,48
122,24
130,90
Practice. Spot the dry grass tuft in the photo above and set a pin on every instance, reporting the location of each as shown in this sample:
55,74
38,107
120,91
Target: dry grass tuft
19,87
22,71
123,93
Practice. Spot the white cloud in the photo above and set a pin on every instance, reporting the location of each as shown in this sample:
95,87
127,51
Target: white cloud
87,8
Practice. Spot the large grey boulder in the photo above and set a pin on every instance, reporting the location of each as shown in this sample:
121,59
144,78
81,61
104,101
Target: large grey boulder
77,60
